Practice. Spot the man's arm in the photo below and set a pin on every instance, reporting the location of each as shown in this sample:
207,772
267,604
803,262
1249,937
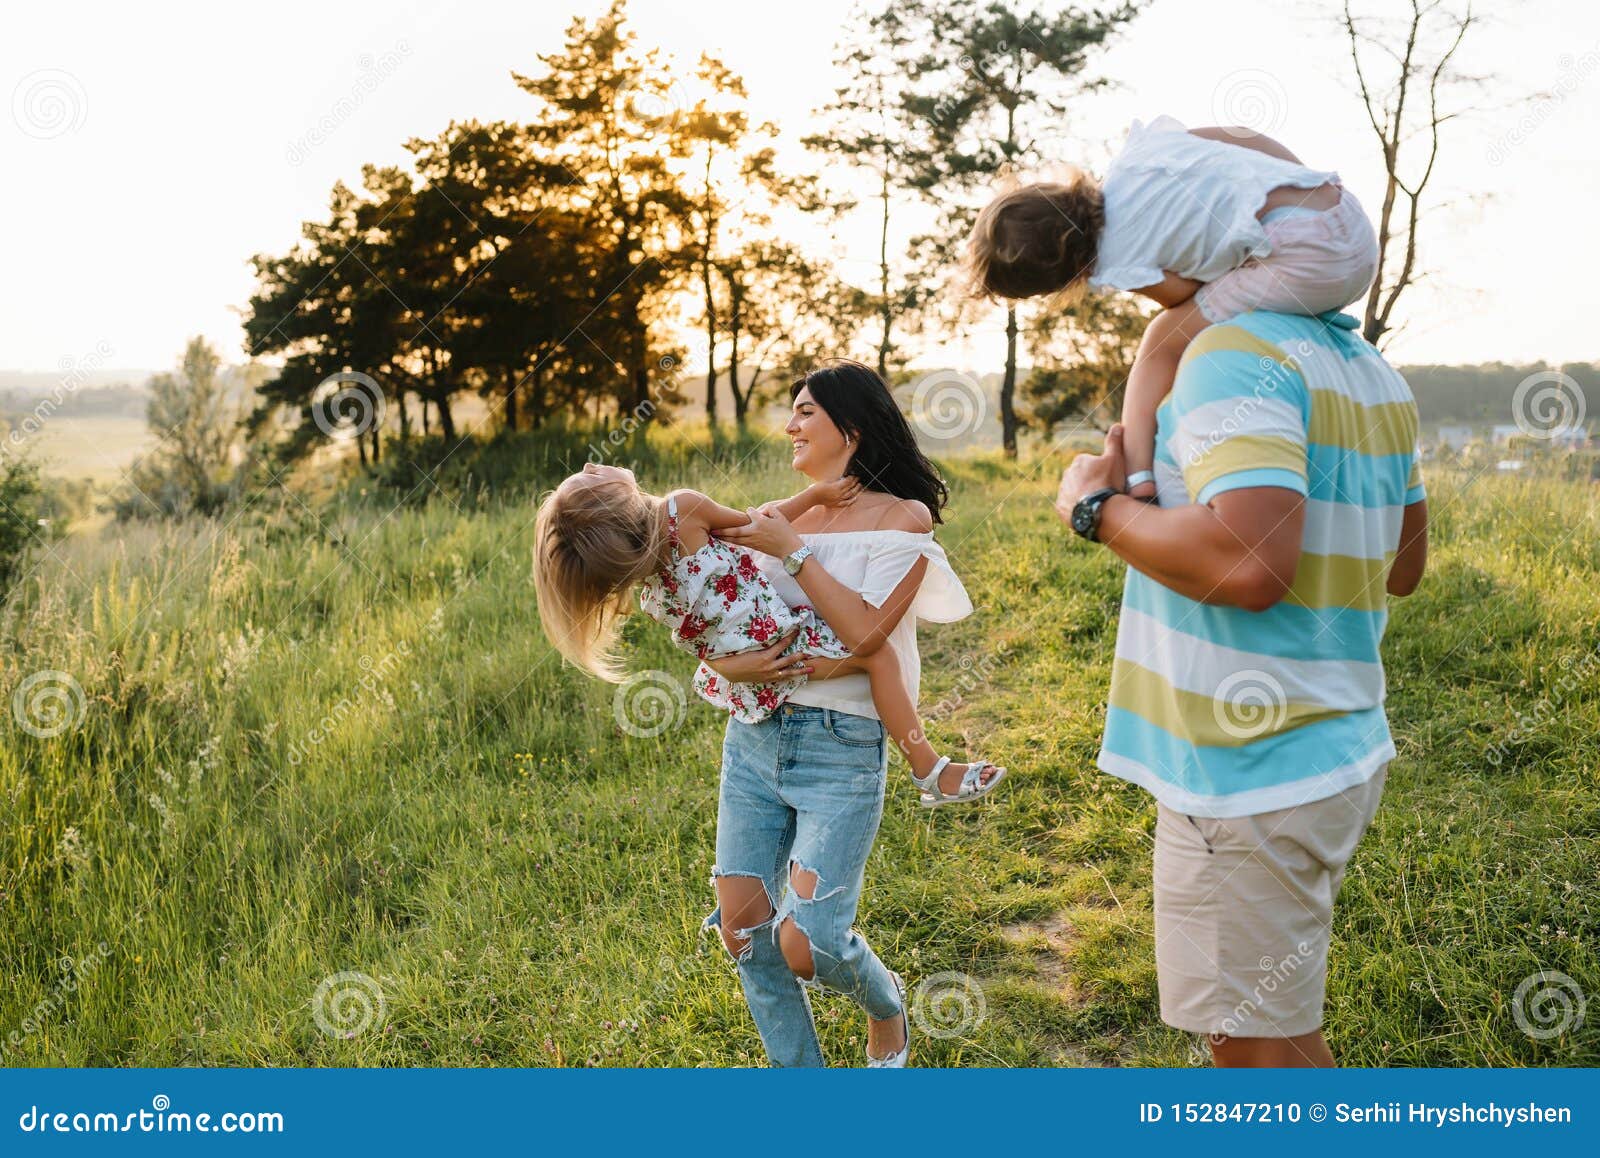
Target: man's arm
1411,560
1240,549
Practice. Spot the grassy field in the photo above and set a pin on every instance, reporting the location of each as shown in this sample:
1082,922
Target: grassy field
321,794
98,447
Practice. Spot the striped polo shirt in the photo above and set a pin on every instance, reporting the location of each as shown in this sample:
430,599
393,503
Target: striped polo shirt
1223,712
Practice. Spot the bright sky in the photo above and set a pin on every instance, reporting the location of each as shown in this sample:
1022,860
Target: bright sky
149,156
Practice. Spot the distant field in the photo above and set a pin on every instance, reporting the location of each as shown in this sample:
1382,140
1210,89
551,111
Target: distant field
99,447
327,797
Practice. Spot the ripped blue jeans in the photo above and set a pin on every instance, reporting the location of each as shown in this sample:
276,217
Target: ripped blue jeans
803,790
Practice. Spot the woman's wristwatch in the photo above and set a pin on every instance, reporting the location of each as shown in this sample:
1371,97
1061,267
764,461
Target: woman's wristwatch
794,559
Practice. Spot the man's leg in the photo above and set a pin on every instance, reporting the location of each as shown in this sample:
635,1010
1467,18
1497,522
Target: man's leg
1308,1049
1243,911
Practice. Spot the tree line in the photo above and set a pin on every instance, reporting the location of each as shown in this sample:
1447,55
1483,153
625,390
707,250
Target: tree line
551,266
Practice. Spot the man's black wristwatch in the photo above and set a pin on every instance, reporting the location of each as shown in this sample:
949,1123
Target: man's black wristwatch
1086,514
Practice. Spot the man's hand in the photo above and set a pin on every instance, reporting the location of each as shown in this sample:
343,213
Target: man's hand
1092,472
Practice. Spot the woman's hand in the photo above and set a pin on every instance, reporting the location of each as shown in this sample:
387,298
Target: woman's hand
768,531
767,666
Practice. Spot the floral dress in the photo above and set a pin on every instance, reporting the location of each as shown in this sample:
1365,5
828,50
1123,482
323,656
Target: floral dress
717,602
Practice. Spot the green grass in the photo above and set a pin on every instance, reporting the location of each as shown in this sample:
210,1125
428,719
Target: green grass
524,882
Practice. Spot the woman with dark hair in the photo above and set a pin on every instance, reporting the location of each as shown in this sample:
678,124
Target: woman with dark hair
802,791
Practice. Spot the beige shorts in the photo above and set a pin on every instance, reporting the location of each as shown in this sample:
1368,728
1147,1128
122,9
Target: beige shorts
1319,261
1243,909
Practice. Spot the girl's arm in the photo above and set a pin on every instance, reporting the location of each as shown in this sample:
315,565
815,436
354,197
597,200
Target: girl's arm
716,517
1171,290
708,512
838,493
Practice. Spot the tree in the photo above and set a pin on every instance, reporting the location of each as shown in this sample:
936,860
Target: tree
475,276
196,423
869,126
605,113
323,309
712,132
21,499
1081,359
991,76
1404,71
512,276
785,312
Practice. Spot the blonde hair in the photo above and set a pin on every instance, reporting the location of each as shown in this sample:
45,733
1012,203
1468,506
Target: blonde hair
595,539
1034,239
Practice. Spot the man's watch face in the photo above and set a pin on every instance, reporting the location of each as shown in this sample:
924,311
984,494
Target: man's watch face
1082,518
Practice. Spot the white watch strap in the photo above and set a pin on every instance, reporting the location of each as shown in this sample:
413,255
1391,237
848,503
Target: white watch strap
1141,476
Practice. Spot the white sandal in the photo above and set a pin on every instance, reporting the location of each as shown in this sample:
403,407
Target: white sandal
895,1061
970,788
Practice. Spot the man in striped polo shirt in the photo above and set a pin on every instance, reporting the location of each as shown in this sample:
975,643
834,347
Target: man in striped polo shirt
1247,690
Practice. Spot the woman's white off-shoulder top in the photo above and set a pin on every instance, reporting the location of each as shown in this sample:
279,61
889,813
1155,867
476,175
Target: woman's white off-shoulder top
873,563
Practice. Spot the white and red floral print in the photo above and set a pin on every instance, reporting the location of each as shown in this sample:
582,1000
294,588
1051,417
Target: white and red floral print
717,602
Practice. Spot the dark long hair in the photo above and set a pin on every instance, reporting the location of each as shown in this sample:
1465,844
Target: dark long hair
886,457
